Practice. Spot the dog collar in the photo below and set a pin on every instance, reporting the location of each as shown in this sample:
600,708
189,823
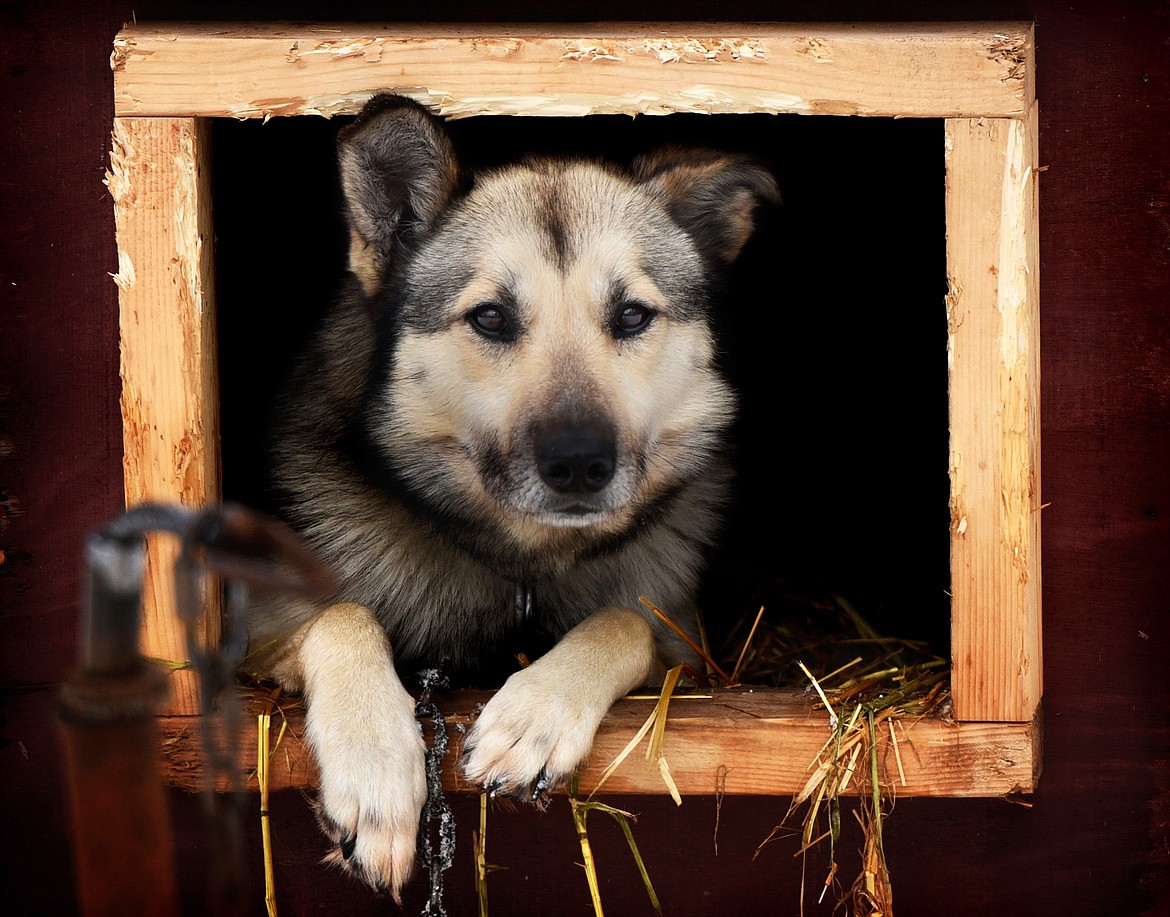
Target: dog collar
524,601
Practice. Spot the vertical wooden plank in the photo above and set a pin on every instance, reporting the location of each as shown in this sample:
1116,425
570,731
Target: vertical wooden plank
160,182
993,315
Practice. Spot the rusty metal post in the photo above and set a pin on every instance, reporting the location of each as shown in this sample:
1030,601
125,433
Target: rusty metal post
121,827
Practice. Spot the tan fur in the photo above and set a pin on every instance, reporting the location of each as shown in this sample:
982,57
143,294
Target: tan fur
364,263
370,755
543,719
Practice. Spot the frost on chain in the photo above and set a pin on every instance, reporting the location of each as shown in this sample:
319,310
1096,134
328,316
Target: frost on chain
436,809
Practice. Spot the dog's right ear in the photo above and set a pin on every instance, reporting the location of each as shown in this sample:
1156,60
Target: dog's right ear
398,171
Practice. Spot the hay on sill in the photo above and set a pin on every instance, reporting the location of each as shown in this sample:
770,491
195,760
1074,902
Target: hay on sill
868,682
708,660
826,633
885,682
655,725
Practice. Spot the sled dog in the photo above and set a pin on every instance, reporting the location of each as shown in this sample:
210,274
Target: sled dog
514,403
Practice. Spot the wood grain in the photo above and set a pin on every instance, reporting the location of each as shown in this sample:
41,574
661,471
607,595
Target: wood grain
160,183
760,742
263,70
993,317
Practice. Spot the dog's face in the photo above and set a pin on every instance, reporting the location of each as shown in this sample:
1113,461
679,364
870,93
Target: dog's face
560,370
551,363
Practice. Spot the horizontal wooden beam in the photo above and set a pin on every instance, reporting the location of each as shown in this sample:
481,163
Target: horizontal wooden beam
950,70
745,742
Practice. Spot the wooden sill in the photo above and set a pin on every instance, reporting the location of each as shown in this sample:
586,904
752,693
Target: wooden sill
757,742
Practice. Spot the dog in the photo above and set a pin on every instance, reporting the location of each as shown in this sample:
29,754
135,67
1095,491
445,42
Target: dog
515,402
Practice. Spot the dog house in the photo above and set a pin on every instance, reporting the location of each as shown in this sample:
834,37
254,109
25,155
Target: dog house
170,81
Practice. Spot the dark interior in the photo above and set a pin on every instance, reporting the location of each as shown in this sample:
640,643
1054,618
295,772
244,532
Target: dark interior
835,334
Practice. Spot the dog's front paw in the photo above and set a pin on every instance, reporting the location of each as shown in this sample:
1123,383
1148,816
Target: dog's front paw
540,726
369,748
532,735
371,797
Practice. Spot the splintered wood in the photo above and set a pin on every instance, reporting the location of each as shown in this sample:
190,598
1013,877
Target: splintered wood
261,71
160,184
993,318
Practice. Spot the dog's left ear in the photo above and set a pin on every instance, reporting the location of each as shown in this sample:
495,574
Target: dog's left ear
712,195
398,172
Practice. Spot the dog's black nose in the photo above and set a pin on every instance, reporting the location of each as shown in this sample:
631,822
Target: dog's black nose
576,461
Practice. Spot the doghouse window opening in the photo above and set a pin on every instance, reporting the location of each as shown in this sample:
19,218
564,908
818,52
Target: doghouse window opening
978,78
835,333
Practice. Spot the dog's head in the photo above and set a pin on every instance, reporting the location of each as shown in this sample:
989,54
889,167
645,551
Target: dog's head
548,360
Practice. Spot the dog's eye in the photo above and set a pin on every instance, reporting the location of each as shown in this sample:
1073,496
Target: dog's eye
491,321
631,318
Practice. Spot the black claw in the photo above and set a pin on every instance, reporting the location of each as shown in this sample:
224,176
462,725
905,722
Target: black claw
540,790
347,844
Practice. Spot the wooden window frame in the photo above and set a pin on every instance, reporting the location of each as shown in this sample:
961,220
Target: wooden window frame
980,78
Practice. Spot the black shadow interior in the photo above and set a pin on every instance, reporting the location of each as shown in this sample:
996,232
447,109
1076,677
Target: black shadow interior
835,336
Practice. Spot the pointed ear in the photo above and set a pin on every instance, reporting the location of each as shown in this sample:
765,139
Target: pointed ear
398,171
712,195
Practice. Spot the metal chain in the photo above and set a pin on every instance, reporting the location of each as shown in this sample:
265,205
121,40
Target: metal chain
436,812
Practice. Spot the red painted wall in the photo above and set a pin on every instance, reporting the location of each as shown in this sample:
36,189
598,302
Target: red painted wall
1096,840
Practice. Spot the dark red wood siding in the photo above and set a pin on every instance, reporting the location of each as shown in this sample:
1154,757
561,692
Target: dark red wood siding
1096,840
